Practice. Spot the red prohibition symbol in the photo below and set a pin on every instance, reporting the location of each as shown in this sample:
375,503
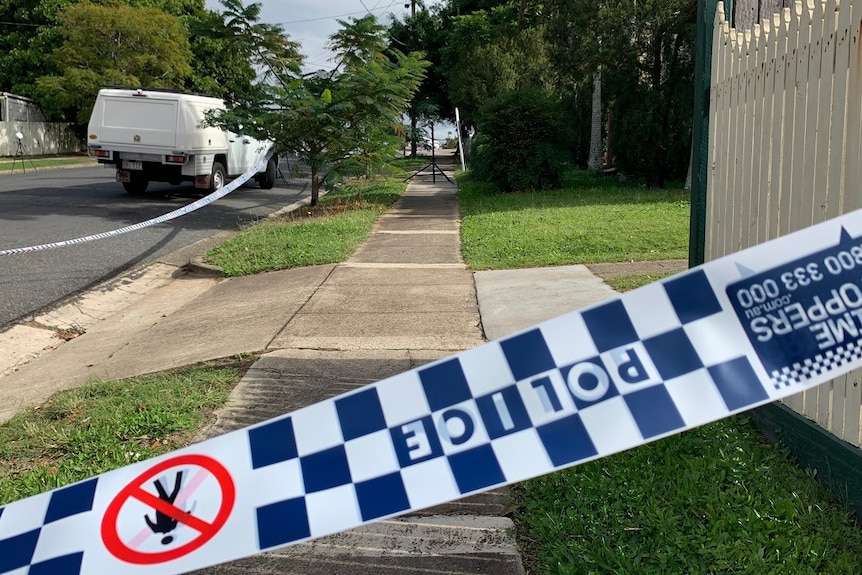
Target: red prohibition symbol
169,510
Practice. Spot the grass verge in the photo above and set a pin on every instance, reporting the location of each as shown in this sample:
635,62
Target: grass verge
712,500
8,165
717,499
81,432
630,282
323,234
592,219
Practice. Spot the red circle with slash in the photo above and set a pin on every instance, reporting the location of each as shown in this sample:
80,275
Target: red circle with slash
134,491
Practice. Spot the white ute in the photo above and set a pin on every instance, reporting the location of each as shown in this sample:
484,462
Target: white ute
156,136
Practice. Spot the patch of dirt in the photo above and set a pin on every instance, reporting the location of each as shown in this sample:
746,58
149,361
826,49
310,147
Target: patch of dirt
617,269
68,333
64,333
321,210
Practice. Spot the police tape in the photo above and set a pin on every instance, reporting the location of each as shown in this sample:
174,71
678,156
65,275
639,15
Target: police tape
187,209
710,342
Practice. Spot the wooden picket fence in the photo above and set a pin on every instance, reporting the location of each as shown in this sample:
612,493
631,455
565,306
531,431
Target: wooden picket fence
784,148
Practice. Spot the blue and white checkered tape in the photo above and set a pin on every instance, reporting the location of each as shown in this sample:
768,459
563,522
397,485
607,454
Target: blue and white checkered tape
716,340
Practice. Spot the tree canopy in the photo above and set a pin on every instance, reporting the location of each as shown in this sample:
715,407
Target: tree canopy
344,121
635,56
32,32
112,44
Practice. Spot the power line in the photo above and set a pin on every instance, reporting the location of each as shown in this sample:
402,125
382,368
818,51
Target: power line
375,9
285,23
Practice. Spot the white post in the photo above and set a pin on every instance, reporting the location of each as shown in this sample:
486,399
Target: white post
460,141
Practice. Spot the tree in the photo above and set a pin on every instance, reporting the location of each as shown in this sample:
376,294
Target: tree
424,31
31,31
572,34
644,53
492,52
112,44
339,122
217,67
651,85
27,37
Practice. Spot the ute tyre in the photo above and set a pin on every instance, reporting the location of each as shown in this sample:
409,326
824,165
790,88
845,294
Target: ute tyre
267,180
136,187
217,178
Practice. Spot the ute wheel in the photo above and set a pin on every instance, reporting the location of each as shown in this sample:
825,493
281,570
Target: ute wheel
217,178
267,180
136,186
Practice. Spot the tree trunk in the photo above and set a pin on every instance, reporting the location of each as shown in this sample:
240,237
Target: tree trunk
412,133
595,160
315,185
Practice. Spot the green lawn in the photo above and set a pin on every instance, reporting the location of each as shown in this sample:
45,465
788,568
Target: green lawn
328,233
10,164
713,500
593,219
88,430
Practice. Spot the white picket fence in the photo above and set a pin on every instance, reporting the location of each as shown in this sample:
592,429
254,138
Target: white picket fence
784,148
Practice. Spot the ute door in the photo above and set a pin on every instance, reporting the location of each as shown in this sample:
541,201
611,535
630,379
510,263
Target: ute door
242,153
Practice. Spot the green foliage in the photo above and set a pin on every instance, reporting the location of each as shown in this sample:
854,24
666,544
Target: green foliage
33,30
217,67
522,143
644,52
424,33
26,40
489,54
591,219
112,44
713,500
265,46
651,85
104,425
342,122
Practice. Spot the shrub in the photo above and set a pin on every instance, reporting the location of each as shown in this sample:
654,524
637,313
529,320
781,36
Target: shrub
521,144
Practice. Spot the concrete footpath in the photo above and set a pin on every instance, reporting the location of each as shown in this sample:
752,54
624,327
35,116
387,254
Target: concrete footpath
403,299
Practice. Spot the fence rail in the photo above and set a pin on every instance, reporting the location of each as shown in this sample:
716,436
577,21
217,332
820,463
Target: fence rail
784,148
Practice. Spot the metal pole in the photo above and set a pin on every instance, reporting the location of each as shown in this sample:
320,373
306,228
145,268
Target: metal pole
433,157
700,131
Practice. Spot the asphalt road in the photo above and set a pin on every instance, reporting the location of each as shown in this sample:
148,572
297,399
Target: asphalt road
51,205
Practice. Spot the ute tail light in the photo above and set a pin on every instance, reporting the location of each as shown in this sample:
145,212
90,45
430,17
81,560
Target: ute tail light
95,153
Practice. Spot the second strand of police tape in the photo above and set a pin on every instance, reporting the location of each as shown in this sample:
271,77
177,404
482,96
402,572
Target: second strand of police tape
187,209
710,342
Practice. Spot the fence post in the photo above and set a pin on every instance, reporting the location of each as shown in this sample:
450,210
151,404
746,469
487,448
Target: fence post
700,127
